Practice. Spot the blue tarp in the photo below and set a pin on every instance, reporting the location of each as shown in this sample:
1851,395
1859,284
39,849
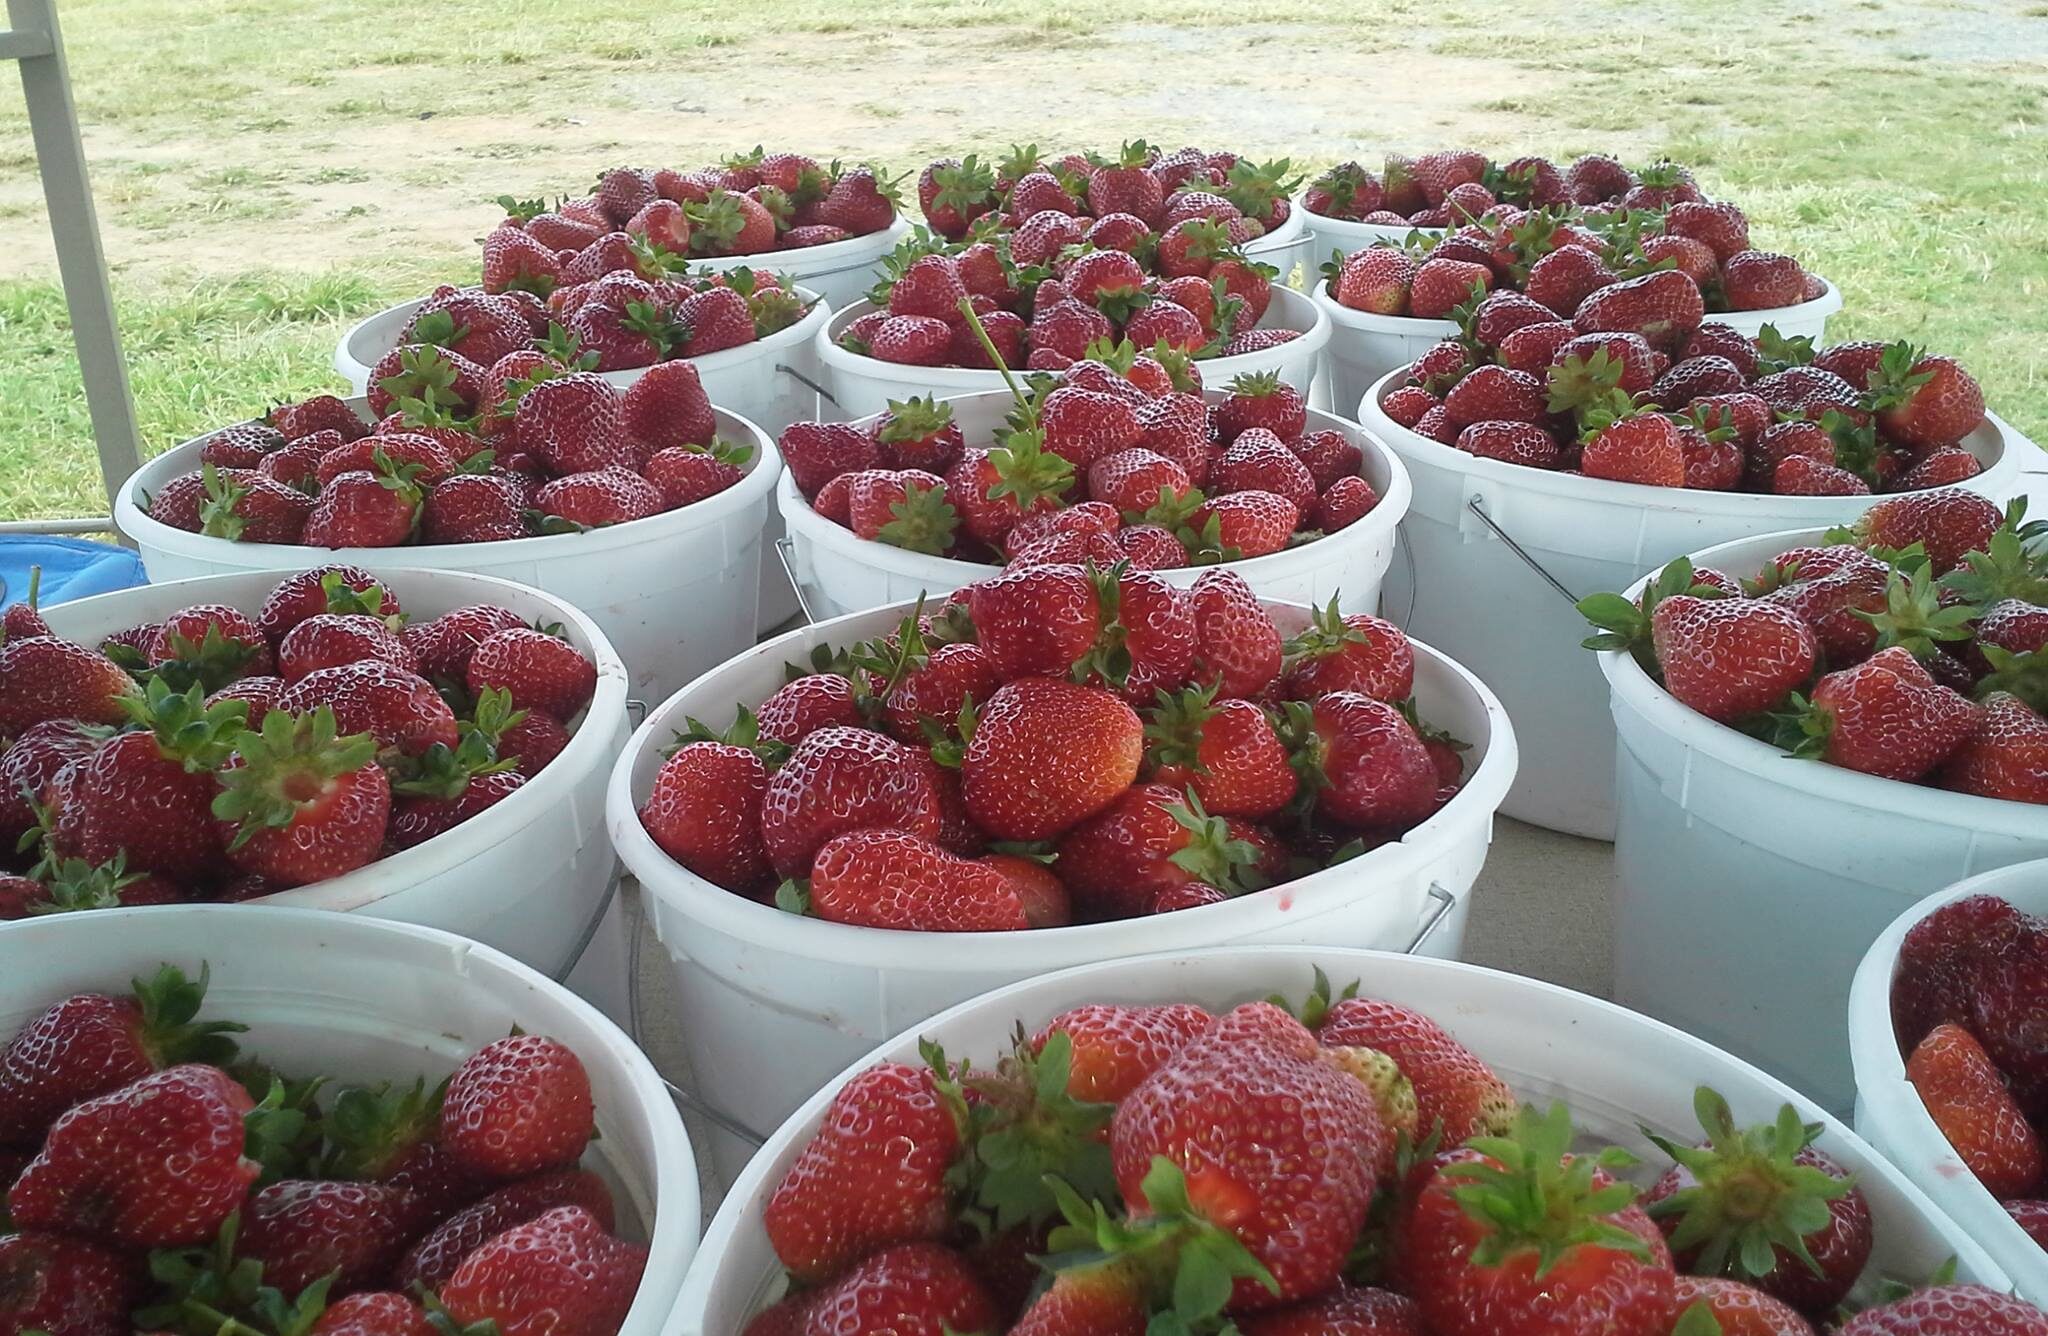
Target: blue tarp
72,568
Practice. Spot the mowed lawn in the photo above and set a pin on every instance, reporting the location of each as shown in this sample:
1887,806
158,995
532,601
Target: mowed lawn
269,170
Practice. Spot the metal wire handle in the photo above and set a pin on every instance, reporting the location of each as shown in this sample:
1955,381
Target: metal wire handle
1445,903
785,552
1516,548
805,381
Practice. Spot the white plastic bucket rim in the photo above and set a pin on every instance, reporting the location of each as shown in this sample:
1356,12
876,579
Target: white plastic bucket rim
723,911
1348,234
1381,467
735,1270
149,534
369,339
1818,780
1288,309
1800,317
590,741
306,984
1289,233
1889,1111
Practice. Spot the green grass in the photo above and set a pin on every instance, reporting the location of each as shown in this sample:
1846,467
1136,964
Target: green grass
260,190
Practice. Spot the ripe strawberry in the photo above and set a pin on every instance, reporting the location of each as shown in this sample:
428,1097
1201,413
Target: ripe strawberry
64,1286
2031,1216
1152,839
1226,752
874,1174
1442,285
379,1313
1733,657
1923,401
1943,467
668,407
2005,1016
912,340
2006,754
1261,399
332,588
557,1275
1664,307
45,679
1114,1048
247,507
1517,1234
890,879
803,705
1936,980
1150,548
1885,716
1347,501
1950,1310
1735,1205
861,201
1365,761
1515,442
155,1164
817,452
417,818
953,192
322,412
1562,280
1036,621
302,1229
541,671
362,509
147,795
1257,462
517,1107
400,709
241,446
1237,644
1737,1309
1046,755
1358,653
1376,279
1457,1096
434,462
715,319
1495,394
1261,1141
1967,1098
1101,1299
596,499
841,779
299,804
473,508
28,766
1949,524
1344,1311
915,1289
1240,525
1644,448
515,261
574,424
442,646
329,640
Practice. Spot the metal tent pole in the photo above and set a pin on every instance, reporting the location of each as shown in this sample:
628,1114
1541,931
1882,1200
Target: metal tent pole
33,41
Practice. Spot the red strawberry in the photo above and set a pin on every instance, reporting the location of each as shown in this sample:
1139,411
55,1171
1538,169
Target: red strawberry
517,1107
1047,754
817,452
2031,1216
1113,1049
1495,394
1442,285
400,709
299,804
1754,280
1950,1310
540,671
1370,767
1925,401
1151,839
2006,754
1944,467
435,1257
473,508
322,412
382,1313
1457,1095
1225,751
155,1164
28,766
148,795
953,192
1358,653
685,475
332,588
1740,1194
1515,442
668,407
890,879
241,446
1376,279
602,497
1261,399
442,646
399,448
1664,307
1347,501
913,340
1262,1141
1344,1311
861,201
64,1286
558,1275
1562,280
2006,1013
415,819
1737,1309
916,1289
1644,448
1885,716
716,319
329,640
1967,1098
301,1230
1245,524
1940,958
1236,641
1949,524
1100,1299
574,424
361,509
515,261
1040,620
46,679
1257,462
874,1174
1732,657
806,704
841,779
1517,1234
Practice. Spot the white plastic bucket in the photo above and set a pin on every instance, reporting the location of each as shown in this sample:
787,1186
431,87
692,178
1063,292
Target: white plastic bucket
840,573
675,593
363,1001
768,381
531,876
863,386
1750,883
1459,585
1347,235
1889,1111
1616,1070
1289,248
1364,347
757,980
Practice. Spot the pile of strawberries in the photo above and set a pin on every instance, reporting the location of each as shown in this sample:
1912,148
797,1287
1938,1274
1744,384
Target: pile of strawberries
1135,1169
750,204
459,454
1913,646
1058,256
1455,186
162,1181
1969,1004
221,756
1060,743
1117,457
1639,387
1564,260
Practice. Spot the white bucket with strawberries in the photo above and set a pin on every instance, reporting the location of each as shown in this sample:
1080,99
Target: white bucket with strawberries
928,497
244,1118
1950,1083
483,821
644,507
1770,823
1148,1143
1067,829
1520,509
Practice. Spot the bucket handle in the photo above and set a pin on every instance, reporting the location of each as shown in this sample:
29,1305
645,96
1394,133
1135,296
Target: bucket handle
723,1121
805,381
636,710
1472,504
785,552
1446,901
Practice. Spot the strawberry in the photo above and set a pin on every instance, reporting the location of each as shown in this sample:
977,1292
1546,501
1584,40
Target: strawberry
668,407
1113,1049
1495,394
1949,524
154,1164
2005,1016
473,508
1457,1096
953,192
817,452
1377,279
1344,1311
28,766
1240,525
1153,838
541,671
1046,755
1225,752
1950,1310
1358,653
248,507
241,446
1885,716
1968,1100
592,500
515,261
890,879
935,692
1924,401
1237,644
1733,657
1040,620
685,475
424,374
381,1313
301,1230
574,424
363,509
437,1254
517,1107
915,1289
873,1175
1347,501
1664,307
432,461
2031,1216
1939,960
1596,178
1944,467
64,1286
1150,548
1364,760
558,1275
329,640
45,679
904,508
861,201
1515,442
299,804
442,646
841,779
2006,754
1261,399
1257,462
1753,280
1763,1205
806,704
1102,1299
1562,280
332,588
322,412
400,709
1517,1234
417,818
912,340
1644,448
1735,1309
1244,1133
1442,285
